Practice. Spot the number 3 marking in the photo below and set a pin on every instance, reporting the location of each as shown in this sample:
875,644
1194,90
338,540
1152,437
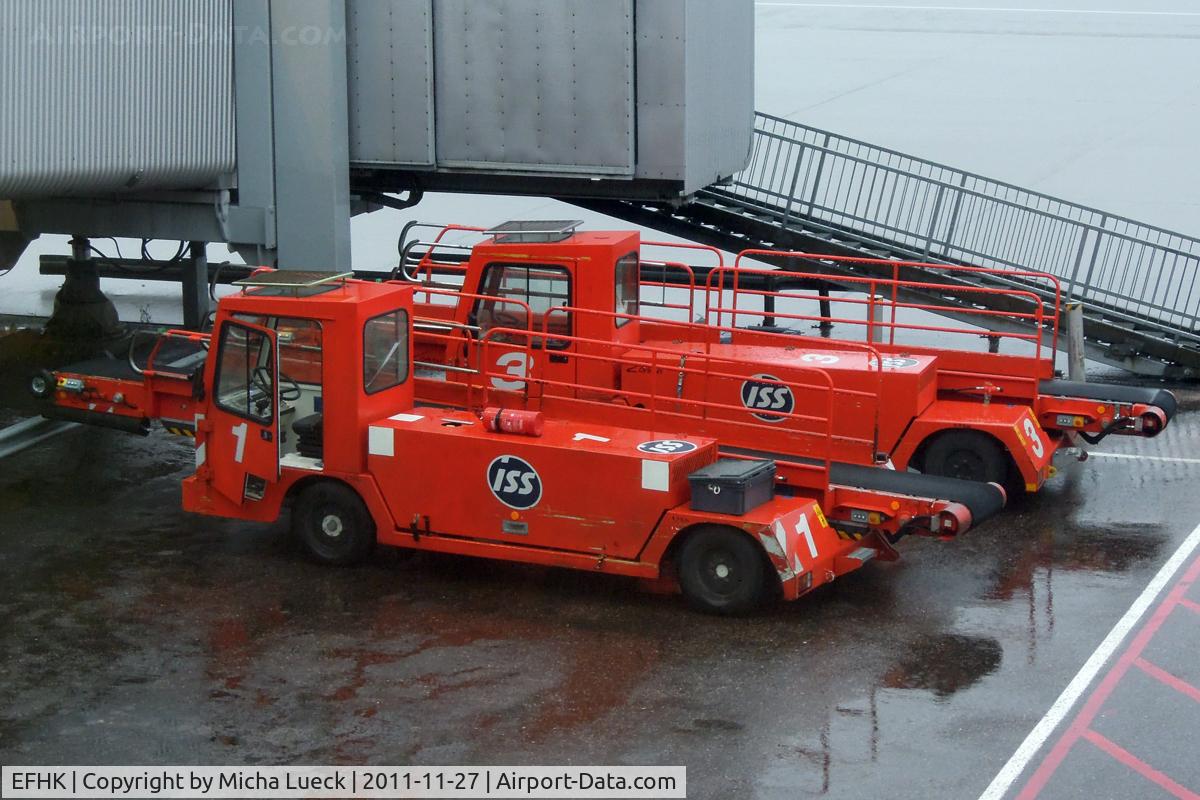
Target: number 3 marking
1035,440
515,364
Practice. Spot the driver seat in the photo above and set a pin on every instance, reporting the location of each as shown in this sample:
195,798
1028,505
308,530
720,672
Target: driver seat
310,438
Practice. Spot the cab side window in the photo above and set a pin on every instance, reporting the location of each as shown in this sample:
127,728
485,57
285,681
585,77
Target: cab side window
245,383
541,287
628,287
385,351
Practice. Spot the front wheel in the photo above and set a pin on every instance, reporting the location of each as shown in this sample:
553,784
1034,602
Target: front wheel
721,571
332,523
969,455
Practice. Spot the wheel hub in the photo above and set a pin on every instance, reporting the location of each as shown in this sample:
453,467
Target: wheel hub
331,526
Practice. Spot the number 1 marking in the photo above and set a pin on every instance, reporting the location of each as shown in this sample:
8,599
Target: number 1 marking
239,433
804,530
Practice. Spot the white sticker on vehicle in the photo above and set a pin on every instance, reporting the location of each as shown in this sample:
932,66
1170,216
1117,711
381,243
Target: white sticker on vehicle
1035,439
516,364
827,359
666,447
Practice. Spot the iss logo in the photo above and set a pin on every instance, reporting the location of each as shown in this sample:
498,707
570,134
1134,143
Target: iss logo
515,482
666,447
895,362
758,396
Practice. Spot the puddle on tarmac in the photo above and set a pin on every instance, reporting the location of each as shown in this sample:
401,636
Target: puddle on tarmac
945,663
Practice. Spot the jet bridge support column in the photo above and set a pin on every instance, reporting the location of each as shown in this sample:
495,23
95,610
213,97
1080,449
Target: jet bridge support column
81,311
311,134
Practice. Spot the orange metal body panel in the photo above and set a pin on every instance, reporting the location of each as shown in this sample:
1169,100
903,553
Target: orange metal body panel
1014,426
595,495
909,388
578,470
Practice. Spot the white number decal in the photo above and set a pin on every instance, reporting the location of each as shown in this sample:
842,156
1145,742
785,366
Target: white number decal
1035,440
804,530
515,364
819,358
239,433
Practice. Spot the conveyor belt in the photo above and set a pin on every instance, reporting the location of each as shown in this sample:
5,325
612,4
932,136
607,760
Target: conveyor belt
983,500
1113,393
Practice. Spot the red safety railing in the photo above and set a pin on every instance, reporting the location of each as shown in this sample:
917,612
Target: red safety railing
707,336
661,404
882,298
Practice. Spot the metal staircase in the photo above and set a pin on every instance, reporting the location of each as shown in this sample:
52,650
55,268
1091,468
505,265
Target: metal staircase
811,190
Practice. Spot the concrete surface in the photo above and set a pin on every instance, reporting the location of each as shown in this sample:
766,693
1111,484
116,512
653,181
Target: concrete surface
134,632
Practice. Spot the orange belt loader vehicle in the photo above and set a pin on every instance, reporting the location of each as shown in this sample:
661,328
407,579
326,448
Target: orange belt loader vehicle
979,416
303,394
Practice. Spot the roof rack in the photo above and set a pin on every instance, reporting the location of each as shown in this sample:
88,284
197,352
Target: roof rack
537,230
292,281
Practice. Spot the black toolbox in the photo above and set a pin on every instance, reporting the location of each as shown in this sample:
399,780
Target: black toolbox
732,485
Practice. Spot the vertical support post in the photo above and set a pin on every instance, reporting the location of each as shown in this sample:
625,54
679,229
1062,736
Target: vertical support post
195,287
311,127
769,305
1076,370
875,318
812,196
933,221
826,324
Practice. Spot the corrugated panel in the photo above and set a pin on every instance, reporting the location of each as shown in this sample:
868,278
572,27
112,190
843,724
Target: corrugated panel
695,89
661,89
390,54
535,85
110,95
720,89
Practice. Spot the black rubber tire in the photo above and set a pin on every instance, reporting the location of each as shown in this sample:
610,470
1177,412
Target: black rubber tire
714,549
967,455
333,524
42,384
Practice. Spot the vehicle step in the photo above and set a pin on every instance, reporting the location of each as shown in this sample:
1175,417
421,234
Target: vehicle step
863,554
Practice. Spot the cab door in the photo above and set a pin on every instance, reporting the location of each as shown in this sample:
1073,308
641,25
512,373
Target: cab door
243,439
527,297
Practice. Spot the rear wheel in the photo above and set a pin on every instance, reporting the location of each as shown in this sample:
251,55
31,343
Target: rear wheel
42,384
969,455
333,524
721,571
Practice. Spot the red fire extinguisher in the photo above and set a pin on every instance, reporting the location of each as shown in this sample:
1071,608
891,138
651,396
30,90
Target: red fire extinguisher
515,421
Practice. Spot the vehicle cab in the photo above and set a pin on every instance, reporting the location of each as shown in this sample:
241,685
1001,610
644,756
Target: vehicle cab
303,362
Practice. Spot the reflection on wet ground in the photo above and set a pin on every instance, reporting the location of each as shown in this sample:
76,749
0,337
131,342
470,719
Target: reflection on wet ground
133,632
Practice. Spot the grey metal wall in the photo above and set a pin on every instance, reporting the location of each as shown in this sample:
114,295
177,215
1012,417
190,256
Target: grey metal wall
695,89
660,90
389,52
114,95
546,85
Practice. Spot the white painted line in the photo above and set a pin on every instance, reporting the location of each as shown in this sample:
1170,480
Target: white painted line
1058,711
988,9
1132,457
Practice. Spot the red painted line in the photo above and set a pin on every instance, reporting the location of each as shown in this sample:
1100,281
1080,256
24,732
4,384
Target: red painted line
1176,683
1105,687
1140,767
1190,605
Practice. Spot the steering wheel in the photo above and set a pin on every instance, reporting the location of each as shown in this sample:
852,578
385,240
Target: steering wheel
261,377
506,319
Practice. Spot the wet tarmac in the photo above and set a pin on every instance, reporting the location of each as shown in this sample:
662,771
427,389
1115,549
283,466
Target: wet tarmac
133,632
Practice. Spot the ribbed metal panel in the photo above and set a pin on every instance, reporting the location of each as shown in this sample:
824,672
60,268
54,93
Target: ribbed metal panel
544,85
115,95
